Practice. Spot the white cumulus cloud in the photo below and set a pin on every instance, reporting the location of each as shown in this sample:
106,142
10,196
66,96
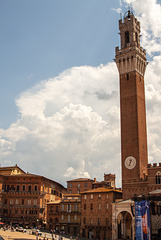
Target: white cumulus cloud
68,125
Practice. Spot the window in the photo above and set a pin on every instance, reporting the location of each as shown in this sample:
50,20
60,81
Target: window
35,188
158,178
23,201
84,206
126,37
16,211
107,195
99,206
56,208
22,211
17,201
70,184
75,217
78,186
107,206
136,37
91,220
70,191
107,221
5,201
35,202
29,201
11,201
84,220
68,218
85,184
62,217
99,195
18,188
29,188
127,76
69,208
23,188
51,208
99,221
62,207
76,207
91,206
84,196
91,196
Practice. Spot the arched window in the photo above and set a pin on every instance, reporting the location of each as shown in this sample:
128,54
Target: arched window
126,38
158,178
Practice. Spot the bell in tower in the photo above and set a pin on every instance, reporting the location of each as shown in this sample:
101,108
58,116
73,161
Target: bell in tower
129,30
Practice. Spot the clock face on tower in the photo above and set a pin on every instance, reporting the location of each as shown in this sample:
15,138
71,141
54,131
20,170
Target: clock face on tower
130,162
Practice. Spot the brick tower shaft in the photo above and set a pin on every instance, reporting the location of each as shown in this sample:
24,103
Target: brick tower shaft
131,63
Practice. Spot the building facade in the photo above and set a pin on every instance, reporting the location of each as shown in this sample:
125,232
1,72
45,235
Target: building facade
24,197
87,213
96,217
70,214
79,185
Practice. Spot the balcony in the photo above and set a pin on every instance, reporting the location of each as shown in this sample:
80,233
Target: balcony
22,192
28,206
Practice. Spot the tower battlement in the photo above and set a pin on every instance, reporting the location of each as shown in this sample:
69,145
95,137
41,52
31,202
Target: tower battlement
131,56
155,165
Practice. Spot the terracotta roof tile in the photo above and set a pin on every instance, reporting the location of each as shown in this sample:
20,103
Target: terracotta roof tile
81,180
98,190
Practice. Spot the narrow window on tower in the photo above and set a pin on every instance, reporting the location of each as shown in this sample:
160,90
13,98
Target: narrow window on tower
126,38
136,37
158,178
127,76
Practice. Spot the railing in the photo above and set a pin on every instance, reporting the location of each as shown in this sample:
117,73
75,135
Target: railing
23,192
67,212
20,205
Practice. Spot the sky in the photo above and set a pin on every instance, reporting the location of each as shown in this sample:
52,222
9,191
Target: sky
59,88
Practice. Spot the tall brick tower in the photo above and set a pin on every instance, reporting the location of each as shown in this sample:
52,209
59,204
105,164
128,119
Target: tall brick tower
131,63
